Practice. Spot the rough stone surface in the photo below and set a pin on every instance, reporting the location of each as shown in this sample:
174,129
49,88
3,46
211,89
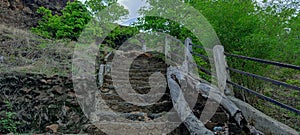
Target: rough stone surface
40,101
22,13
263,122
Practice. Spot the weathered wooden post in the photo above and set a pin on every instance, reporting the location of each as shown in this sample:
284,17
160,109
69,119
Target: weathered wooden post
101,75
144,47
167,50
221,69
104,69
1,59
187,56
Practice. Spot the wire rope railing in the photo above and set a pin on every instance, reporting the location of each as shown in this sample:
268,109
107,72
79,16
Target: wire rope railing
276,82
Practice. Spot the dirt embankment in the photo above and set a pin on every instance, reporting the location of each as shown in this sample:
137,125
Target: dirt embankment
40,102
22,13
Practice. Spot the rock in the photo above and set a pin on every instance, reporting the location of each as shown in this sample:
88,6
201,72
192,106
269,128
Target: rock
26,90
58,90
53,127
27,10
22,13
53,106
44,81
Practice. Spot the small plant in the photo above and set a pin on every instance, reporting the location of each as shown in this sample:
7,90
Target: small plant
7,123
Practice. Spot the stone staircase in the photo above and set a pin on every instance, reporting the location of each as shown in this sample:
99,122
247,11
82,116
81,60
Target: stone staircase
141,77
139,73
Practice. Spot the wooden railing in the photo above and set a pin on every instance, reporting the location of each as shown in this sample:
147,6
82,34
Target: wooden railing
223,77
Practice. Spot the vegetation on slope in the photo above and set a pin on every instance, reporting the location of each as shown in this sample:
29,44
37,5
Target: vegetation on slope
243,28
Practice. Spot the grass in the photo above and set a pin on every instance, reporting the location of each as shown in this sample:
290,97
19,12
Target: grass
8,124
284,95
26,52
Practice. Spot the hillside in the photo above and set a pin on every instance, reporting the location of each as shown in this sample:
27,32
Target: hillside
38,74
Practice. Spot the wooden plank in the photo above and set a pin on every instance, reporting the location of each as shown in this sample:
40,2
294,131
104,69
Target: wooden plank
167,50
195,126
220,64
205,90
107,56
101,75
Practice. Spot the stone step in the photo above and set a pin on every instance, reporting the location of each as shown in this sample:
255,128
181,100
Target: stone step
133,83
124,103
136,60
121,106
151,65
112,92
134,71
123,65
115,96
134,86
121,69
133,74
137,116
137,89
140,78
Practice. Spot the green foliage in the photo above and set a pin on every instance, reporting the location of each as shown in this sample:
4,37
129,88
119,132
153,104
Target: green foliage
68,25
98,5
8,124
119,35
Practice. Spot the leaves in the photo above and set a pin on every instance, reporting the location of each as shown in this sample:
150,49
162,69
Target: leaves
69,25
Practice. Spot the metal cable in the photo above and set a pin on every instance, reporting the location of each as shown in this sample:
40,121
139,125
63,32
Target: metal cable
265,79
199,46
265,61
200,55
287,107
204,70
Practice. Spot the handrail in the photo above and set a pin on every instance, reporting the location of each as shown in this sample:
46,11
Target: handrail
199,46
276,82
266,98
200,55
264,61
204,70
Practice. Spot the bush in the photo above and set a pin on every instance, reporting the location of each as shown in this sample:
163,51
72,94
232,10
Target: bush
68,25
8,124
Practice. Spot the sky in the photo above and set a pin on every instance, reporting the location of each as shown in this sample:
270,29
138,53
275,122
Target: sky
134,5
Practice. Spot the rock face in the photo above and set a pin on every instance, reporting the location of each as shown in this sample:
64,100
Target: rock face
22,13
45,104
141,72
41,104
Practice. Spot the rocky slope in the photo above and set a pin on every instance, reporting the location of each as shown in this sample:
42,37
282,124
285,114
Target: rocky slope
39,102
46,104
22,13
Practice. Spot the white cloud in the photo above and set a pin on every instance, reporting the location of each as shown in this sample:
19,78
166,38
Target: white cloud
133,7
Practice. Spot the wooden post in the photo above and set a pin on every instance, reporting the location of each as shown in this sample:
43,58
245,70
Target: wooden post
221,69
107,56
167,49
144,48
193,124
187,54
101,75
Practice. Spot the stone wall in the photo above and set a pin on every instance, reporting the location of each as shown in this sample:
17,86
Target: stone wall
39,102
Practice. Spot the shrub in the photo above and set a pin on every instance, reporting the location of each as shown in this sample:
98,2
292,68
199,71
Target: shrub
8,124
68,25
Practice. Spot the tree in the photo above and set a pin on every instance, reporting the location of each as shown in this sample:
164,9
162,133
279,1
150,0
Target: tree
69,25
97,5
